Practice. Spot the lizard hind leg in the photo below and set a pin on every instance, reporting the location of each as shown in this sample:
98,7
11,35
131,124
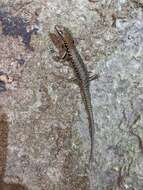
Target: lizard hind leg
93,77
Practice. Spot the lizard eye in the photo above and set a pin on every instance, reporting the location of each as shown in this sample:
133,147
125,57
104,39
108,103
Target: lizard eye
62,32
59,29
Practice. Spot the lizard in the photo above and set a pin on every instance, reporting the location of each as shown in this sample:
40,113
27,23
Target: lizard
64,42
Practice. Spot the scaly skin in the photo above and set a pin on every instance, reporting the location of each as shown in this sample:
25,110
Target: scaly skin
68,50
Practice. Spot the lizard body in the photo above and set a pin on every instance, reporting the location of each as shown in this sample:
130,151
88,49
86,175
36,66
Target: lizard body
69,51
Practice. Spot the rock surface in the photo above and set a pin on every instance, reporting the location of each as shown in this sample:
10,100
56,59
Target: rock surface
48,142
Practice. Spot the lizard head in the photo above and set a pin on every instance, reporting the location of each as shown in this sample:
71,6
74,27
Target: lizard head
65,34
61,30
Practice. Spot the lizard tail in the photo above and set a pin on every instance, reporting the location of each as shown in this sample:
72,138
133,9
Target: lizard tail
91,133
88,107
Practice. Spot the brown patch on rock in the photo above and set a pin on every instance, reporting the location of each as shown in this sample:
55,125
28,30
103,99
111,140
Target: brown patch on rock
3,154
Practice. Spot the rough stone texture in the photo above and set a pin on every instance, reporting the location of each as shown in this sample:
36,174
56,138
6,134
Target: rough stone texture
48,139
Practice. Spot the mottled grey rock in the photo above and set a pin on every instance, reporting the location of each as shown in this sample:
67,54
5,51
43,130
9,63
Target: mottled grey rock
48,139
